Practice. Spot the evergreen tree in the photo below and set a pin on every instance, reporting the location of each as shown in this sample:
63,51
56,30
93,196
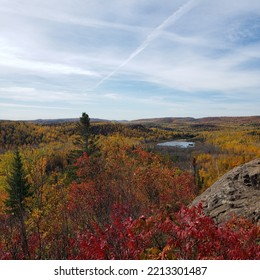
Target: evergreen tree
18,190
83,128
85,143
87,140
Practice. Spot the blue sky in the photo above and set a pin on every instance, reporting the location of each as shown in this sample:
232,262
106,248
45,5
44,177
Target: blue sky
129,59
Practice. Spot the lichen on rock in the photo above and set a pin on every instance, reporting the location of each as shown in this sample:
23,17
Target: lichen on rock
235,193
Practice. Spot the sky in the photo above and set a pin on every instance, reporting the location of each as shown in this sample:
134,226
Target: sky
131,59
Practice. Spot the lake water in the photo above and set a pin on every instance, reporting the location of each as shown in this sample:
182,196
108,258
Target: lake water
179,144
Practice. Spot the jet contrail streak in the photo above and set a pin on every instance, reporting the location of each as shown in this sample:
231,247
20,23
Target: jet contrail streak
152,36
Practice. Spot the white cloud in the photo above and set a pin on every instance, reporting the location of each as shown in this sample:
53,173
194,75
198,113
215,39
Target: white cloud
37,95
113,96
11,58
30,94
14,105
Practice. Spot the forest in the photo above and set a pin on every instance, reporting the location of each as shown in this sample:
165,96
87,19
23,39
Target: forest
83,189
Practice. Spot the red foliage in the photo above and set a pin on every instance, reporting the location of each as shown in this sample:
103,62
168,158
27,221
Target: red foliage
117,240
142,179
192,235
188,234
11,249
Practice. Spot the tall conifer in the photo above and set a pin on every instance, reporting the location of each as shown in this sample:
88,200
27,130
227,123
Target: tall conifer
18,190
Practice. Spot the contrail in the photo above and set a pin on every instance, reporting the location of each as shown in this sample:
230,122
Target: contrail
152,36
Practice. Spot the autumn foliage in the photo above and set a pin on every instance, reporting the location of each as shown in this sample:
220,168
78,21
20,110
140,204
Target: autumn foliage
187,234
120,201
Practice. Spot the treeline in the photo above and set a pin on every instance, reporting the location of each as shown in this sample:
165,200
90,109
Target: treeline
235,147
13,134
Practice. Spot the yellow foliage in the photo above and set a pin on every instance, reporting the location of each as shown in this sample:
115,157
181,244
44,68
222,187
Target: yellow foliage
236,147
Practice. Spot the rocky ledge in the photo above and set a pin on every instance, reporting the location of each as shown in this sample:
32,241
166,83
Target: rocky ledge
235,193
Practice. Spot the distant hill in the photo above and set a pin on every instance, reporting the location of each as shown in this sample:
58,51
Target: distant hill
50,121
164,120
206,120
251,119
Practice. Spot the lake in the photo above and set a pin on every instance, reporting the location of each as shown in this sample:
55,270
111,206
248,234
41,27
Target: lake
179,144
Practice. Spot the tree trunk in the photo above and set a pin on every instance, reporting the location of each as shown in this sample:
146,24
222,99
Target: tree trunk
23,233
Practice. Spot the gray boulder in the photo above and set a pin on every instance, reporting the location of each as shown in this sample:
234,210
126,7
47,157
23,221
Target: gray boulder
235,193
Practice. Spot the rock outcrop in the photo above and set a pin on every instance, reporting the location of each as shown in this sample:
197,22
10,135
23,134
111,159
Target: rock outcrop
237,192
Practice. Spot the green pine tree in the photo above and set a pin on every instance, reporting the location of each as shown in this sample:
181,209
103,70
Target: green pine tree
83,128
18,190
86,141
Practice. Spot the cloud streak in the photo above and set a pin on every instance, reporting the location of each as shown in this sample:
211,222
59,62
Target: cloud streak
151,37
11,105
12,61
69,19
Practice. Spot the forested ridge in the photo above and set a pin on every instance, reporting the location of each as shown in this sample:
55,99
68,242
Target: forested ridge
104,190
